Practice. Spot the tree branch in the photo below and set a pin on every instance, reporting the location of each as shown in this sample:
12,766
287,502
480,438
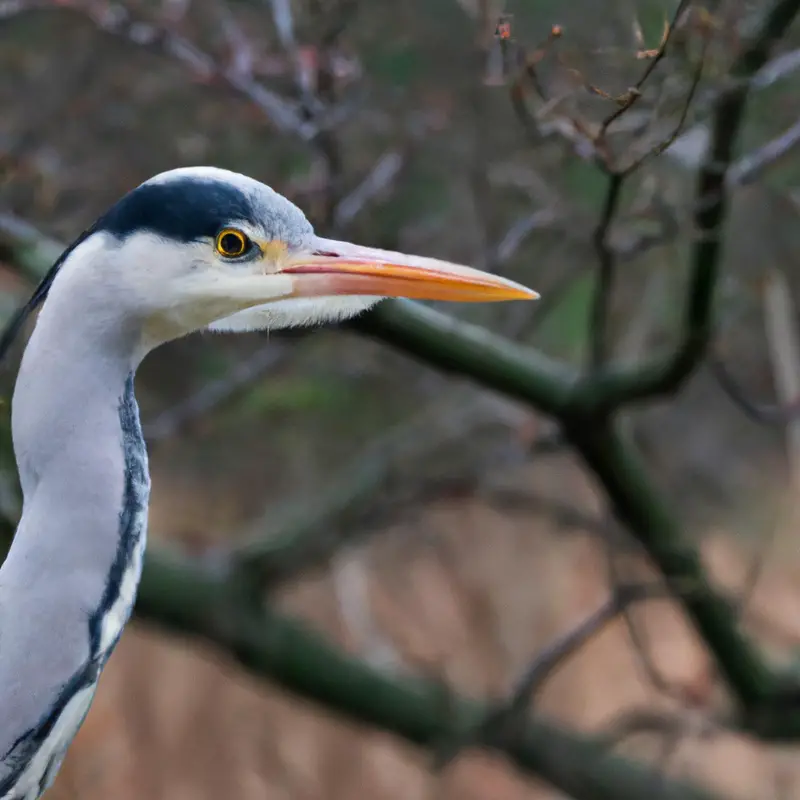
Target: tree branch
661,377
638,506
584,407
302,534
601,300
188,600
450,344
455,346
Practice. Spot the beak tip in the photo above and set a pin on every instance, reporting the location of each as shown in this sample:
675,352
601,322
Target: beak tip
522,293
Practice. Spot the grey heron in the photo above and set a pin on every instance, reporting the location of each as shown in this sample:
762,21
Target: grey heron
190,249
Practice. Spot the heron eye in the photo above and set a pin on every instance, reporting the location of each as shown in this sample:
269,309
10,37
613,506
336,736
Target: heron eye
232,243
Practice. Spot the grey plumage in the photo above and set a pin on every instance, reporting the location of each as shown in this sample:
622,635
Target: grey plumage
68,704
163,262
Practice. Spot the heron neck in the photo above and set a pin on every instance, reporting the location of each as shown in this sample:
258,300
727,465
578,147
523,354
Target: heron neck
71,380
83,470
68,584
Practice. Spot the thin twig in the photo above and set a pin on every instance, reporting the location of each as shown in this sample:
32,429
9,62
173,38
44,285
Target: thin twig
756,411
516,234
503,722
601,301
115,20
562,514
638,721
284,25
641,650
281,542
783,346
661,376
544,665
677,129
633,94
777,69
350,578
382,174
751,166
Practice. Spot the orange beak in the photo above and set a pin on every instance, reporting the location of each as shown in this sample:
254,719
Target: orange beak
332,268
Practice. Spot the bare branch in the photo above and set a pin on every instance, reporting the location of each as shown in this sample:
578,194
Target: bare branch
115,20
520,230
182,597
562,514
786,354
605,276
777,69
351,587
764,413
284,25
504,721
633,94
661,376
751,166
660,723
546,663
383,172
677,129
283,541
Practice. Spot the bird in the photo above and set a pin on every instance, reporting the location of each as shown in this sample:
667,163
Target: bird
191,249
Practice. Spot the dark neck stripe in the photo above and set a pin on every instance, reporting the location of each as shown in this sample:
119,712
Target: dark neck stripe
26,747
131,521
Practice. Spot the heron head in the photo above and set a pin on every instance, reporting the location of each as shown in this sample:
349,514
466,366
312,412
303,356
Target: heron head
204,248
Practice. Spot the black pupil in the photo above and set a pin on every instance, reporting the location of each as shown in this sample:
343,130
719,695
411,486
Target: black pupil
231,243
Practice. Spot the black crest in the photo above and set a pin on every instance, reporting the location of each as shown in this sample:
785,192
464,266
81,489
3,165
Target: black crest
184,209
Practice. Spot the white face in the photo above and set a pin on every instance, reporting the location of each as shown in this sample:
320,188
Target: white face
187,287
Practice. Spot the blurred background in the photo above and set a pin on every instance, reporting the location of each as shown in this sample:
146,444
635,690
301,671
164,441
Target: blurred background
426,524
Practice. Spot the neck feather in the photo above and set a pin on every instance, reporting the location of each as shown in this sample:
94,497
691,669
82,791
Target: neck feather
69,582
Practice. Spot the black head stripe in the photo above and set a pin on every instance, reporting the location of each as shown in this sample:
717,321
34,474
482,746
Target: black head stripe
184,210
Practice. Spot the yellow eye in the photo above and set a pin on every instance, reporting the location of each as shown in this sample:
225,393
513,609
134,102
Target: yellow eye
232,243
